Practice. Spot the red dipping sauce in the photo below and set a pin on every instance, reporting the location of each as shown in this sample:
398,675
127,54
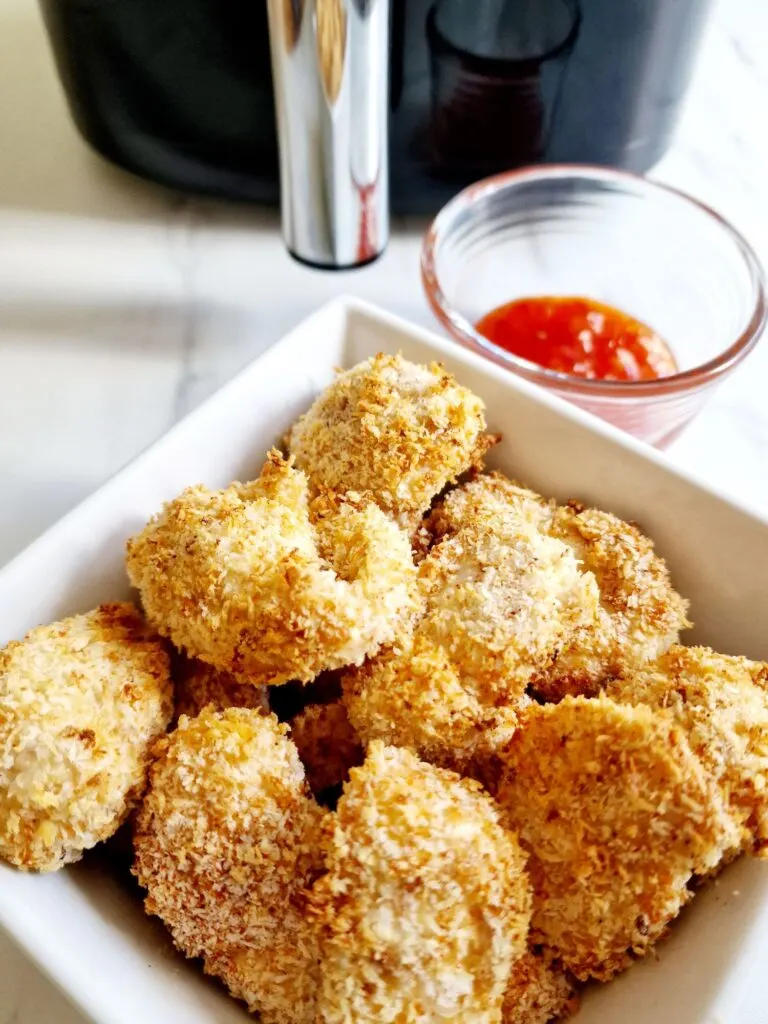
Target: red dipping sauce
580,337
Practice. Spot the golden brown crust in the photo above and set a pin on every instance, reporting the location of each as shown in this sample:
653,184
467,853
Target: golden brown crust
278,981
226,843
721,703
617,814
327,744
538,991
243,579
641,614
393,428
638,614
414,697
81,702
502,598
481,497
197,685
426,902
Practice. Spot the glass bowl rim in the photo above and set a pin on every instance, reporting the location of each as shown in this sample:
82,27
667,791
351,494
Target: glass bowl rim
464,331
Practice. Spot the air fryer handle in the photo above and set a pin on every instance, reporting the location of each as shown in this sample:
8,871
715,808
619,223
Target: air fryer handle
330,65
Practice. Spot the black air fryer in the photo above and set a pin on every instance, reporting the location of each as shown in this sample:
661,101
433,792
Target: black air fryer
180,91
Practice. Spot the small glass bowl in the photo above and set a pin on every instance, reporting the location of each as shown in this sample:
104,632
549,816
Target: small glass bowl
647,249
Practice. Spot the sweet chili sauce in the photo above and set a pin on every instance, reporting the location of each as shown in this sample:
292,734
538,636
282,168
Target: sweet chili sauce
580,337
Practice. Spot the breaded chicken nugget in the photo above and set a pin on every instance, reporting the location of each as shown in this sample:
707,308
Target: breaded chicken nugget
617,814
413,697
226,841
426,903
721,703
639,614
197,685
244,580
538,991
482,497
501,598
399,430
278,981
328,745
81,702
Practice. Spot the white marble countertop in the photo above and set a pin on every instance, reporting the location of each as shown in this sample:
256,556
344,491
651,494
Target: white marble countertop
123,305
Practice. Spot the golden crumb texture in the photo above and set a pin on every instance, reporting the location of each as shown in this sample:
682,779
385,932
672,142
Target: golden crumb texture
617,815
640,613
81,703
633,613
721,703
502,598
254,583
388,426
327,744
197,685
538,991
398,739
226,842
425,904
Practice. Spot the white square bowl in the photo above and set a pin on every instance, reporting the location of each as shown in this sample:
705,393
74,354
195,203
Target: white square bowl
84,926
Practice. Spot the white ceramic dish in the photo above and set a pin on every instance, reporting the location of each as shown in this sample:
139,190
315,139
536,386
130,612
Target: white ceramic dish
85,927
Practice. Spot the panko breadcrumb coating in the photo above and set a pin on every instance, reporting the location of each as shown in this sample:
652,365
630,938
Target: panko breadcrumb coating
277,981
481,498
328,745
226,842
502,598
426,902
617,814
81,702
538,992
399,430
639,614
721,703
244,580
413,696
197,685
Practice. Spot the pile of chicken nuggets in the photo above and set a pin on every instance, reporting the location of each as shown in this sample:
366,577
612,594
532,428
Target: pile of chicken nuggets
494,773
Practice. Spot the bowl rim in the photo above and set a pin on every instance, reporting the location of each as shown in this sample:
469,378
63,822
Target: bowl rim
464,332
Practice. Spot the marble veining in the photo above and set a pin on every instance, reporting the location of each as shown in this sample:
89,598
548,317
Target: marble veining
123,305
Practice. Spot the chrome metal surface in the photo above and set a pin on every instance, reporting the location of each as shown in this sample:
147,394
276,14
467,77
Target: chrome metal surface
330,65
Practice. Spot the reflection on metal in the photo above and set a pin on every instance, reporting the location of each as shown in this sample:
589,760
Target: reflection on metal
292,11
331,43
330,64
